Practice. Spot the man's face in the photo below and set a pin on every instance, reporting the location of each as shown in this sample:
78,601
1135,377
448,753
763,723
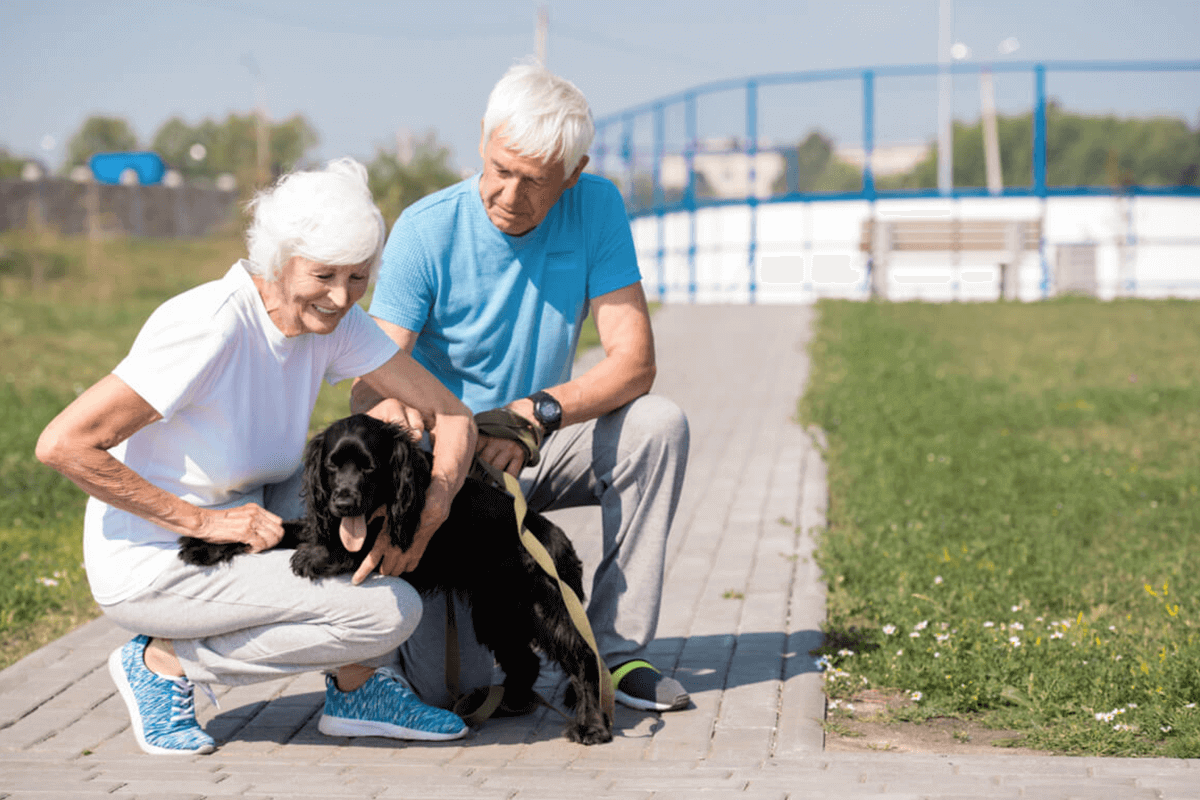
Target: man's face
519,191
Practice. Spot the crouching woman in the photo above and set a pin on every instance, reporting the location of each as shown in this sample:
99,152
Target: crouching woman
199,431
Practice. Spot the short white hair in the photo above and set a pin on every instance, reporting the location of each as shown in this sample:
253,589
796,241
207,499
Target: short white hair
543,115
325,215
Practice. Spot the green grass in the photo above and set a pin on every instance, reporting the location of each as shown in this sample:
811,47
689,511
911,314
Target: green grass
57,338
1014,514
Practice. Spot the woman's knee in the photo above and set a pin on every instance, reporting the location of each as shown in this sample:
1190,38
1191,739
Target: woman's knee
388,612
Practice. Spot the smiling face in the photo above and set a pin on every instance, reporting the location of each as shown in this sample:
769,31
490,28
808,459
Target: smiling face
308,297
519,191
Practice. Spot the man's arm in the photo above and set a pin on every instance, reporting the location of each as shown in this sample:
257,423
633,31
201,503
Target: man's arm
625,373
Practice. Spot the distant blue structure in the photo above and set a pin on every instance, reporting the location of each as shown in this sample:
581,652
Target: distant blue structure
108,167
710,174
642,142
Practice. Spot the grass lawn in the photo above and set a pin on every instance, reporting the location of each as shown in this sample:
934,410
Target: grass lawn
1014,521
55,340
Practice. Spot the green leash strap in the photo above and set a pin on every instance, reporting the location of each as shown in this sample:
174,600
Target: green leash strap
477,706
500,423
574,606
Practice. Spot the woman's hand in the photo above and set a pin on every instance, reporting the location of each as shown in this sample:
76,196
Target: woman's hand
391,560
392,410
250,524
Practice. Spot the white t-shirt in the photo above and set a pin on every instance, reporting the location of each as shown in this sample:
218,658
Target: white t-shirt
236,396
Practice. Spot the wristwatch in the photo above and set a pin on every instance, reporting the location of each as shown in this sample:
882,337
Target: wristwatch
546,411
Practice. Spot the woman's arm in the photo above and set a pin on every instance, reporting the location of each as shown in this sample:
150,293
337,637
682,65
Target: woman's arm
76,443
452,431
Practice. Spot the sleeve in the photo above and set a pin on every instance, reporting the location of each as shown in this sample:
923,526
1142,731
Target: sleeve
362,347
612,261
174,358
405,289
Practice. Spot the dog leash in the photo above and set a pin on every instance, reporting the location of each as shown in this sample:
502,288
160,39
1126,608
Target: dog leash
502,423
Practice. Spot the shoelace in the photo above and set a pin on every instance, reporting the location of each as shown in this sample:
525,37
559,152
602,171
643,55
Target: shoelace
389,674
183,701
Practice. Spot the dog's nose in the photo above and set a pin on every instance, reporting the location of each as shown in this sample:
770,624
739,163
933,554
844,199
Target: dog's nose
346,504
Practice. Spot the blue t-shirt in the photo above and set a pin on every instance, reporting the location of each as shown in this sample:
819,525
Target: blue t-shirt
498,316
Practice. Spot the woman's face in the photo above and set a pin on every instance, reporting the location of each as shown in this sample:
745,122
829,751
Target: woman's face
309,297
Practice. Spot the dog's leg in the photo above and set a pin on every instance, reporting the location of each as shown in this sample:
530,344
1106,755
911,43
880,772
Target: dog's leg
502,625
564,644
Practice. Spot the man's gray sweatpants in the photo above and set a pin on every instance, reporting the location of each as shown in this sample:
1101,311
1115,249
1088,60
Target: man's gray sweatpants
631,463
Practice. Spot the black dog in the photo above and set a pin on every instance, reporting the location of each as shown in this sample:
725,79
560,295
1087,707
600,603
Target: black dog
359,465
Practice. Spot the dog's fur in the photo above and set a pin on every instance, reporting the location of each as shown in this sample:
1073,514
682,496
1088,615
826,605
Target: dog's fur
359,464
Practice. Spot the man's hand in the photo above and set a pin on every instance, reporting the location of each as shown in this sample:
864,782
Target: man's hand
508,455
503,454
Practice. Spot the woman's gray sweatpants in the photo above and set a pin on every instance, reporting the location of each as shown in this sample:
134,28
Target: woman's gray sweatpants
252,619
631,463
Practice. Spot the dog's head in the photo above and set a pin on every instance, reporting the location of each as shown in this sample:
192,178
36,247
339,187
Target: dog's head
359,465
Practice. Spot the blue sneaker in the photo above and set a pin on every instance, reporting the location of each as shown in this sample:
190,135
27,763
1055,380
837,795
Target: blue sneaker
162,709
384,706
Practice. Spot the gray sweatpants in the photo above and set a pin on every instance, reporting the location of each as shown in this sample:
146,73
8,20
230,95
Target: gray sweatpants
631,463
253,620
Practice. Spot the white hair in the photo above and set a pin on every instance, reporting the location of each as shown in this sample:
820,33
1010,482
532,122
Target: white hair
542,114
325,215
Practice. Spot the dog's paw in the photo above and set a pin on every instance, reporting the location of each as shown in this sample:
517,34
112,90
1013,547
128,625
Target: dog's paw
200,553
314,561
589,733
310,561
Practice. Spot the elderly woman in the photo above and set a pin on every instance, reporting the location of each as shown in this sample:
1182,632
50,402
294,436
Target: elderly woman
199,431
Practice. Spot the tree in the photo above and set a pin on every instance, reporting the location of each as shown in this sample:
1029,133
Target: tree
232,147
1081,150
99,135
10,165
812,167
396,185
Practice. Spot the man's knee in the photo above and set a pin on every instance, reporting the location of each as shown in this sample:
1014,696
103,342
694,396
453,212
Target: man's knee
658,419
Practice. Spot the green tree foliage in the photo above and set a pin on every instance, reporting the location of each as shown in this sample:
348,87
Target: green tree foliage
811,167
396,185
99,134
10,165
1080,151
231,146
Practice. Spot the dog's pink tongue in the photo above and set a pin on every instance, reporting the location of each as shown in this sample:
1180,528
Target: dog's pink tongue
354,532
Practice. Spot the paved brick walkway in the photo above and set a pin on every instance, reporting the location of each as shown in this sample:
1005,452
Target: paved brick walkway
743,605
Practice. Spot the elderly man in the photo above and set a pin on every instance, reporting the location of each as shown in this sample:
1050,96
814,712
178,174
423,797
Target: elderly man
487,283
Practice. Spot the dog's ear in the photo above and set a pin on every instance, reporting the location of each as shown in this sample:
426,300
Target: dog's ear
410,477
315,488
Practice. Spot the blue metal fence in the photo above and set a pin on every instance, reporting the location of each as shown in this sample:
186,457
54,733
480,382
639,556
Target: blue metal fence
641,159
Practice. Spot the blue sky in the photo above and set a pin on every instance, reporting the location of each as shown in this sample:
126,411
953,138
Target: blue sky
359,70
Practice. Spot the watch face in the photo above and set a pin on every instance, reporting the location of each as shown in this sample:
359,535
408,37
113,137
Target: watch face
548,410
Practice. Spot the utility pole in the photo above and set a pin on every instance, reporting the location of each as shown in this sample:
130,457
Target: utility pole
541,34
